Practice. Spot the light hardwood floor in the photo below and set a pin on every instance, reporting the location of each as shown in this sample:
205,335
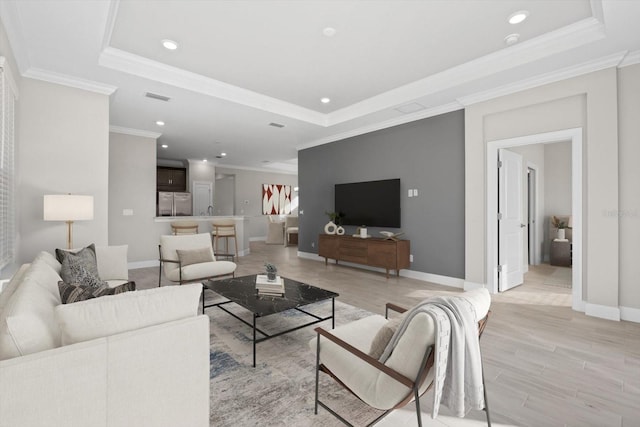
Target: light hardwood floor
545,364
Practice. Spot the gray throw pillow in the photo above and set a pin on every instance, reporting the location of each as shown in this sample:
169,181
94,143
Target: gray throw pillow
72,292
76,270
194,256
86,255
382,338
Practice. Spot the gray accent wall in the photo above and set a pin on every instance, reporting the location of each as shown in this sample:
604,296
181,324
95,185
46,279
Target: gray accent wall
427,155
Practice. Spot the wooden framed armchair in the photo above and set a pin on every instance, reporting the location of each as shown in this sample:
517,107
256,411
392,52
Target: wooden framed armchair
344,354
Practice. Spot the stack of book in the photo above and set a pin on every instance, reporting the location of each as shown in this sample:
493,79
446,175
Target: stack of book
265,287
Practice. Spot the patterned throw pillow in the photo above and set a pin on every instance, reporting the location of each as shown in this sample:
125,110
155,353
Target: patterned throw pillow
72,292
86,256
76,270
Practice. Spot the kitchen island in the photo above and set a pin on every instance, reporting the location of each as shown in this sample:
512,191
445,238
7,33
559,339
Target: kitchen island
163,225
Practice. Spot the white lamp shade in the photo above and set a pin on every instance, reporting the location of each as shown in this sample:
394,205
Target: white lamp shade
68,207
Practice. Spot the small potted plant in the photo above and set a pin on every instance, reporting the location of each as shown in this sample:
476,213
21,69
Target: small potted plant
271,271
560,225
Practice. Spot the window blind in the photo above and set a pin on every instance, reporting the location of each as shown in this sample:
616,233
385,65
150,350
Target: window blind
7,169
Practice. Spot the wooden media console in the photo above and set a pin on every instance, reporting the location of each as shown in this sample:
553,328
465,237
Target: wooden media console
374,252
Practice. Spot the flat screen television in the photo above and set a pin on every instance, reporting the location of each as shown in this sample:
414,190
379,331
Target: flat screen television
371,203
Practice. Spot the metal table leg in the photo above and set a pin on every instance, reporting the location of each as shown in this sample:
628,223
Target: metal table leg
254,340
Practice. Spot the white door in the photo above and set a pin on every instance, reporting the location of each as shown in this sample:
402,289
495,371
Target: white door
202,198
510,221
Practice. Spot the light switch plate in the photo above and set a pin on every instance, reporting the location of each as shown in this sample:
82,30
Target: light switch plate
127,212
415,192
410,192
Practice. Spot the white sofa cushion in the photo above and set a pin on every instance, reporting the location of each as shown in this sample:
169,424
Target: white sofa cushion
115,314
27,323
202,270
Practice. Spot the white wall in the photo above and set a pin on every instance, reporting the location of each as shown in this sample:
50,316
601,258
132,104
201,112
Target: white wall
201,171
588,101
249,196
629,173
132,185
63,148
557,195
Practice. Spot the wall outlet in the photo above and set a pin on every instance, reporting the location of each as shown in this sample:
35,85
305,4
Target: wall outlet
127,212
313,244
415,192
411,258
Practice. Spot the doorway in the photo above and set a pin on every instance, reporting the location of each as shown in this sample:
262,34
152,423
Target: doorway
492,242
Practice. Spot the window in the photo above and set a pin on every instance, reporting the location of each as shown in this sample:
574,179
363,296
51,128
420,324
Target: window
7,171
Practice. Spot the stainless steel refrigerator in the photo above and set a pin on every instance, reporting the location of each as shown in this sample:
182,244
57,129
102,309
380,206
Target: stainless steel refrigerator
174,204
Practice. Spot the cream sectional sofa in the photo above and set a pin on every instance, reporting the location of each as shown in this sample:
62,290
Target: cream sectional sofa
133,359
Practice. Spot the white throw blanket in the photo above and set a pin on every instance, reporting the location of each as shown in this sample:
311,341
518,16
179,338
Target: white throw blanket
457,364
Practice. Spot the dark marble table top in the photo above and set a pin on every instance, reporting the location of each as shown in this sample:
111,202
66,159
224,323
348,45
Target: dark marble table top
242,291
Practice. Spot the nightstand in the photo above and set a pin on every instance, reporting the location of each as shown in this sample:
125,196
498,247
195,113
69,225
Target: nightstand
560,253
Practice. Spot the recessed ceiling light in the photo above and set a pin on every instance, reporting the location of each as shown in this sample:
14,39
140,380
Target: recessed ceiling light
329,31
223,154
160,123
511,39
169,44
204,160
518,17
164,146
325,100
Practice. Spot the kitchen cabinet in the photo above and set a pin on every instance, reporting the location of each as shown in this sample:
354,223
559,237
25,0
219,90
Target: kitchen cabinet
171,179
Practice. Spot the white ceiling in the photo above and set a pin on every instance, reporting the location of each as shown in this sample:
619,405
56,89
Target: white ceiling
244,64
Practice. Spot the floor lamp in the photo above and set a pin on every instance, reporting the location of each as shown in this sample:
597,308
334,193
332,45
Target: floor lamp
68,208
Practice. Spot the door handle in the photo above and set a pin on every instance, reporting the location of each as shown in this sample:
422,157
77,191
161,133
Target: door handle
523,225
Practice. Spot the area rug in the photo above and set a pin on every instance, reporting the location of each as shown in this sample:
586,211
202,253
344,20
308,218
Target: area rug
279,391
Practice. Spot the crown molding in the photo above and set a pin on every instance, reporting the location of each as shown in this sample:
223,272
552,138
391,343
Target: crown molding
111,22
4,64
126,62
406,118
134,132
631,58
66,80
552,77
256,169
563,39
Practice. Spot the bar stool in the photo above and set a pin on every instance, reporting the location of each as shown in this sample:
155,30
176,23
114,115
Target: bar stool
224,228
184,227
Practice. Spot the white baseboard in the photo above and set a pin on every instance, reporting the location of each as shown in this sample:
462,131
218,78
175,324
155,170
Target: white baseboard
258,239
469,286
418,275
630,314
309,255
433,278
602,311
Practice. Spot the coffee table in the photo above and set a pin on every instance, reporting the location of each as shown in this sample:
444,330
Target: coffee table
242,291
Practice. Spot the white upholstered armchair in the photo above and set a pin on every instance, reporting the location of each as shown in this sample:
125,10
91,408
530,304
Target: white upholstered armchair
401,369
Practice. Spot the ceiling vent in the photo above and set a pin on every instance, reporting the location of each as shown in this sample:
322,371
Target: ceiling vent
156,96
276,125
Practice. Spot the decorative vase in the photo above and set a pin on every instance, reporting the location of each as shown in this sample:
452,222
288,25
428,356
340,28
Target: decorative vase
340,231
330,228
561,234
271,276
